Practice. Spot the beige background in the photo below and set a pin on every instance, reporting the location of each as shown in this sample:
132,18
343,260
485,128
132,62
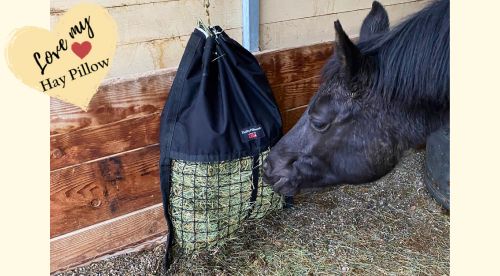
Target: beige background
475,134
24,147
153,33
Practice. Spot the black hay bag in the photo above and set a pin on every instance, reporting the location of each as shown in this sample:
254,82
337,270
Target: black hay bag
217,125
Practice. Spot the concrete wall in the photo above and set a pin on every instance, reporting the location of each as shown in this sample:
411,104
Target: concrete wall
153,33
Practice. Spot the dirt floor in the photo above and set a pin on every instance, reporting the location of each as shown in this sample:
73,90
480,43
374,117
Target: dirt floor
389,227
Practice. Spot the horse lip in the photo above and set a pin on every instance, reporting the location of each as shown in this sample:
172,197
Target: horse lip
283,180
270,179
285,187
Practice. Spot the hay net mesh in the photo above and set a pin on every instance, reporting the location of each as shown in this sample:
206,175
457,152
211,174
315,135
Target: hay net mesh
209,201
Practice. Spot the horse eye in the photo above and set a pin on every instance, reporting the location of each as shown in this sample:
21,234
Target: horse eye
319,126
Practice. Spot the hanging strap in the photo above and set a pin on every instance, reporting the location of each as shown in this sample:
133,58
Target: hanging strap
255,184
168,120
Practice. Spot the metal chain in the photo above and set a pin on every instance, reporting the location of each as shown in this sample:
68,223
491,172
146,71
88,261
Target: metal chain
206,4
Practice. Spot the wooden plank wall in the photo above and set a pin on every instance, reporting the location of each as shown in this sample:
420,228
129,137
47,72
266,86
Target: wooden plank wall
153,33
105,195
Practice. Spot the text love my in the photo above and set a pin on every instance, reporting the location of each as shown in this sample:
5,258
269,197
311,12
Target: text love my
50,56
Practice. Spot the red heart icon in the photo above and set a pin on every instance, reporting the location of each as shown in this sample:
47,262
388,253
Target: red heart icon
82,49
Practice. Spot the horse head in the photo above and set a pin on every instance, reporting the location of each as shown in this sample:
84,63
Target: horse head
349,133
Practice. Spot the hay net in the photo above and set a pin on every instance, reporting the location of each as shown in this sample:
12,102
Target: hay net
210,201
216,128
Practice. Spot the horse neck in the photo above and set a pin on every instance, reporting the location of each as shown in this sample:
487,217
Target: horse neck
412,126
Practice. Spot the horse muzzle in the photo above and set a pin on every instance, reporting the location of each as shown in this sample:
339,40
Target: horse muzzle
278,180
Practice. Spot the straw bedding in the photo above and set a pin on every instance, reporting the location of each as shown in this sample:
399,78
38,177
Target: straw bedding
389,227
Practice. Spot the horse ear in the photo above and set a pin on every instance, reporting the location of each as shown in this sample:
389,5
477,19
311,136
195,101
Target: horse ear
376,22
347,53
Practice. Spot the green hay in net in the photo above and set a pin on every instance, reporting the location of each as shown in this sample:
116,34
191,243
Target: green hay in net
209,201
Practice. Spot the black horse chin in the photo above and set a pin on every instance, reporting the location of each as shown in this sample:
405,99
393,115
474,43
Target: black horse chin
284,186
291,186
291,179
279,182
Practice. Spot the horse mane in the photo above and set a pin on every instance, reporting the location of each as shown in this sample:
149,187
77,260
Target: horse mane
412,59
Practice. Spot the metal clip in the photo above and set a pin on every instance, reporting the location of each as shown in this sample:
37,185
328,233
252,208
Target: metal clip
216,58
203,28
216,32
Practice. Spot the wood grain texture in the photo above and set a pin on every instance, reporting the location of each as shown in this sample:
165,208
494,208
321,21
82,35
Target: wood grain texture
93,192
124,115
295,94
125,98
116,100
295,64
105,161
290,117
105,196
132,232
73,148
95,142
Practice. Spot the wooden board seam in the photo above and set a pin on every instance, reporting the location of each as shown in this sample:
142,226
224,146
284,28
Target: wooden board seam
140,246
294,82
105,222
54,11
103,125
167,38
101,185
159,72
341,12
105,157
295,108
130,233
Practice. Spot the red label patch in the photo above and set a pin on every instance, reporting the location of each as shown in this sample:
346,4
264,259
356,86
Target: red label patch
252,133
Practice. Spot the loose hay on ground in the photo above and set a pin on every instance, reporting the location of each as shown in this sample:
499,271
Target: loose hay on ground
389,227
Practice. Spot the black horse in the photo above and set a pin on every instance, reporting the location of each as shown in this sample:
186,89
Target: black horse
376,100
